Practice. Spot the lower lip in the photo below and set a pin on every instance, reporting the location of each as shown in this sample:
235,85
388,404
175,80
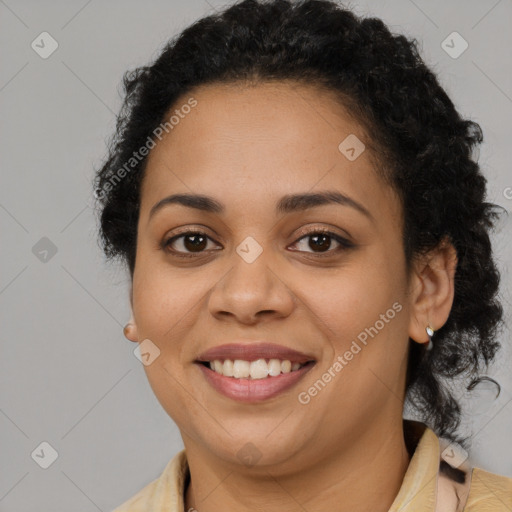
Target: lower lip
253,390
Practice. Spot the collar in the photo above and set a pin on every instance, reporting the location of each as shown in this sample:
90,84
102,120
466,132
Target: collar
419,486
417,492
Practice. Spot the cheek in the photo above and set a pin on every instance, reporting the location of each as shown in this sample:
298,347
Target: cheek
162,307
164,310
160,296
354,300
169,387
367,331
363,312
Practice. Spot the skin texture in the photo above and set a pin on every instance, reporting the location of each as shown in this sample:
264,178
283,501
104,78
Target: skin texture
247,146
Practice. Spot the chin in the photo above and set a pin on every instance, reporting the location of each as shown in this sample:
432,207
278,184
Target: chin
255,447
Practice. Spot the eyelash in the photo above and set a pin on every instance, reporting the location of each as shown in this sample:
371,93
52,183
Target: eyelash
344,243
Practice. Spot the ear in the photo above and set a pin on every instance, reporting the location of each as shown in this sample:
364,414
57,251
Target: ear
432,290
130,329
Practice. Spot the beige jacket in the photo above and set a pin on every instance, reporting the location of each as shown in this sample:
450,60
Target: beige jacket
424,488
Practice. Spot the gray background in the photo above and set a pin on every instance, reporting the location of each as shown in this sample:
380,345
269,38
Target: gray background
68,376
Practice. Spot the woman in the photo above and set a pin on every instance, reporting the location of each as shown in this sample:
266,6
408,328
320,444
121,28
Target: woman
307,237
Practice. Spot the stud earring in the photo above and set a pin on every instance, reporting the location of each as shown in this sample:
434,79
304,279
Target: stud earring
430,333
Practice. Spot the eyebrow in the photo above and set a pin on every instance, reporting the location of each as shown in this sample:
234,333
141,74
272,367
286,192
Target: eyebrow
287,204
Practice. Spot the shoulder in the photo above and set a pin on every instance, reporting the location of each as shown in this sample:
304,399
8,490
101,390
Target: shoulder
163,493
140,501
489,492
477,491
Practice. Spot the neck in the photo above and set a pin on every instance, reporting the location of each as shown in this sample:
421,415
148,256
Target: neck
366,474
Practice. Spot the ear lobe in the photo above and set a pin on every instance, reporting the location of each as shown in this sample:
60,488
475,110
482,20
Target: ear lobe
434,290
130,330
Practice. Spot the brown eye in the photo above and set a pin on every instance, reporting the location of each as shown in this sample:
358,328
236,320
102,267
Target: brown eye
186,243
322,241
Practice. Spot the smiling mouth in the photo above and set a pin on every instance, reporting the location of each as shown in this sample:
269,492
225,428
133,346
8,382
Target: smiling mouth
267,383
254,370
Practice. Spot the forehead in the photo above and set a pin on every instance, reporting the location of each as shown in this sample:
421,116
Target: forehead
243,119
264,140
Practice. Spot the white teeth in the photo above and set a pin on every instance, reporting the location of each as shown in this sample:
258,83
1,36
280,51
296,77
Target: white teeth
286,366
259,369
227,368
241,369
274,367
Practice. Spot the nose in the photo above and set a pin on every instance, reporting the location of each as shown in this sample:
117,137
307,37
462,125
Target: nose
250,293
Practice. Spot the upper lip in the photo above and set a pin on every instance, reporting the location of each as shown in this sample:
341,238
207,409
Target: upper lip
253,351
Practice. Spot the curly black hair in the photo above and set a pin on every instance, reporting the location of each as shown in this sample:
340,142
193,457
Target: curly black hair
424,150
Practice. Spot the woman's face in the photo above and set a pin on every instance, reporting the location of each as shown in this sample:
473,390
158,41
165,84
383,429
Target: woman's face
260,273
